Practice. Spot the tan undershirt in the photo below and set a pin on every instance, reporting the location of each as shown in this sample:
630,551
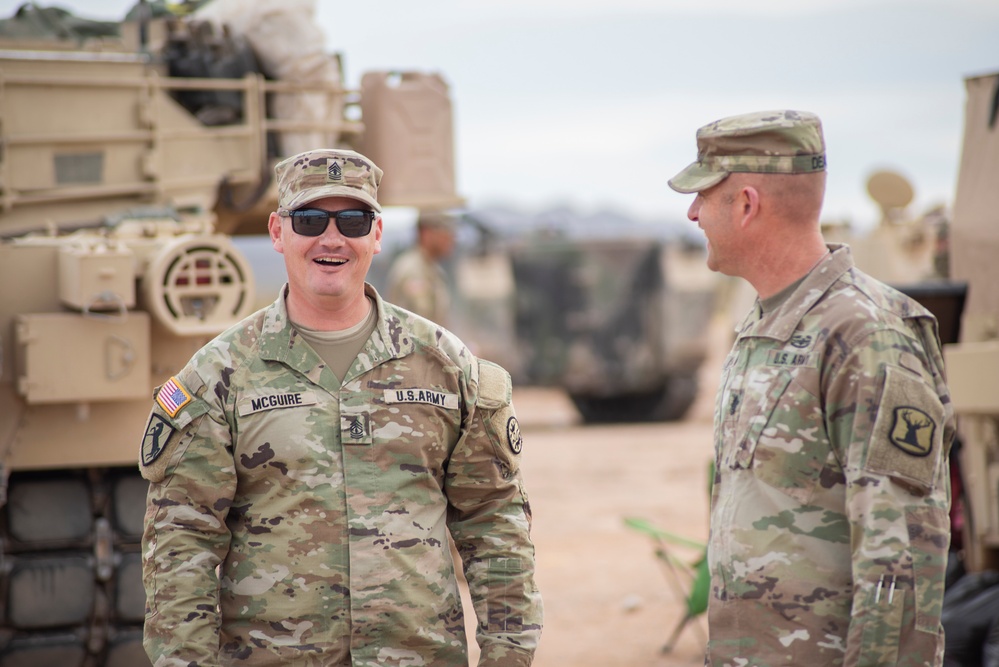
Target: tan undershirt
339,348
772,303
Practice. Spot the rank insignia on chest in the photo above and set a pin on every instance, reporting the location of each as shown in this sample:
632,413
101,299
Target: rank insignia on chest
355,428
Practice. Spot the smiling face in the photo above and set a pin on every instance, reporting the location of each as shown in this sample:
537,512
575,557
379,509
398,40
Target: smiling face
326,273
712,210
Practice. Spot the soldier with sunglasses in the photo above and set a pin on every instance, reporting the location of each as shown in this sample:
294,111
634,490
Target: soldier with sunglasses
318,455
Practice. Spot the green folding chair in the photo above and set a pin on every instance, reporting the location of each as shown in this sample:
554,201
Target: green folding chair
690,580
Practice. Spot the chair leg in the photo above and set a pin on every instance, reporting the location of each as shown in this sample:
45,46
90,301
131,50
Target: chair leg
676,633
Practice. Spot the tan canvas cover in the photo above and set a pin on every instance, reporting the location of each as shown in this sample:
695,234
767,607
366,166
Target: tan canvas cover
290,46
974,235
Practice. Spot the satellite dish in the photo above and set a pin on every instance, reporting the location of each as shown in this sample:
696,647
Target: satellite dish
890,190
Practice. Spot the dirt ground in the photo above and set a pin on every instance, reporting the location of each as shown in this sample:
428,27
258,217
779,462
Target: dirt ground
608,600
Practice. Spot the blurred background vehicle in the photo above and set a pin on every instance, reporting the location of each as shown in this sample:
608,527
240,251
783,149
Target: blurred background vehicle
610,309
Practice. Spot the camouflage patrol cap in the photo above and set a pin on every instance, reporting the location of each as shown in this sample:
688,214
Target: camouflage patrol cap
436,219
763,142
327,172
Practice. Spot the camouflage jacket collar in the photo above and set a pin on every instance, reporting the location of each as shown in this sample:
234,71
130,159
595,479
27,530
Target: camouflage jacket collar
782,323
279,341
388,341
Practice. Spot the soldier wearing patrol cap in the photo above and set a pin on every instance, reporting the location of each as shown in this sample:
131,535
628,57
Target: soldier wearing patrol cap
307,466
416,280
833,423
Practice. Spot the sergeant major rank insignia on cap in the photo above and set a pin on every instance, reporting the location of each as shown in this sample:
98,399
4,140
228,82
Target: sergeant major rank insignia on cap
334,171
172,396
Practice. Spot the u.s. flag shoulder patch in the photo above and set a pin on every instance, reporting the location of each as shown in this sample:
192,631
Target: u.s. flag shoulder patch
172,396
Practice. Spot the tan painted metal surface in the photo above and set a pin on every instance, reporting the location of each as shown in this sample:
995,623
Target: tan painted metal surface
973,364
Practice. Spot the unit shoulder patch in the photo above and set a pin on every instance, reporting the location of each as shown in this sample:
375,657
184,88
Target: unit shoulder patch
912,430
907,440
158,432
513,437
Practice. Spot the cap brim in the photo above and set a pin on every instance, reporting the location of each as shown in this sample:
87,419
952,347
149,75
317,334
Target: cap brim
695,178
312,194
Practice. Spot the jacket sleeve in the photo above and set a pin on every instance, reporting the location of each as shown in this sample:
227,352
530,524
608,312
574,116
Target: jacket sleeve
490,520
891,426
185,537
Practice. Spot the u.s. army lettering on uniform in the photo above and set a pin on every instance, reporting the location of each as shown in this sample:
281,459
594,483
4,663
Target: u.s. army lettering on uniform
418,395
790,358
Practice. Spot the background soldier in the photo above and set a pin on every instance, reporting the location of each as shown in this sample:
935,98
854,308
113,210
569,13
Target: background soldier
416,280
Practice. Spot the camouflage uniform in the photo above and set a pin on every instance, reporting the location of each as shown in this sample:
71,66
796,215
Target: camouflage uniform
829,518
325,505
417,283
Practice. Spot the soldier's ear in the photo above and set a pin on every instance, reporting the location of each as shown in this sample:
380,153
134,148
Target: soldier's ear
748,199
274,229
378,235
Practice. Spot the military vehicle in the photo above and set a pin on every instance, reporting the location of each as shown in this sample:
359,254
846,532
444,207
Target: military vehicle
620,324
901,249
973,363
126,162
612,310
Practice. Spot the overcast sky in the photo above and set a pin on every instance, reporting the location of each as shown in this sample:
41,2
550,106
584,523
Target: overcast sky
594,103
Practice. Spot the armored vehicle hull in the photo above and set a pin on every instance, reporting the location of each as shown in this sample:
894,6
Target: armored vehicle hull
620,324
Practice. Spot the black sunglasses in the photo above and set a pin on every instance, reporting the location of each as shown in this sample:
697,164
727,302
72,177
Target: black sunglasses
352,223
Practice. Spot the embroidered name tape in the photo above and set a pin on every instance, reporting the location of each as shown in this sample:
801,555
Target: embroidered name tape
291,399
441,399
172,396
